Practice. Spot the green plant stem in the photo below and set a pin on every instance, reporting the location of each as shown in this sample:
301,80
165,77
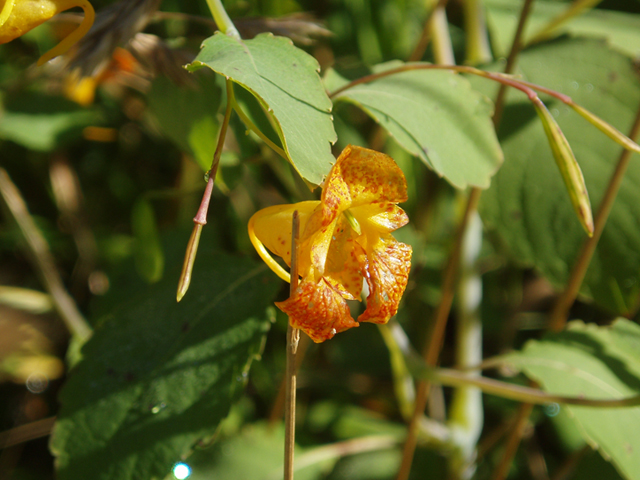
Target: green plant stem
560,312
43,260
201,215
221,18
516,46
513,442
476,37
293,337
251,126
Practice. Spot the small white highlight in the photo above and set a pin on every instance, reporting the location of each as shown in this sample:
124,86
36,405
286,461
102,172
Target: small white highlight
181,471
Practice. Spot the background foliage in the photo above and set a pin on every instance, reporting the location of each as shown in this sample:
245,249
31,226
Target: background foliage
112,174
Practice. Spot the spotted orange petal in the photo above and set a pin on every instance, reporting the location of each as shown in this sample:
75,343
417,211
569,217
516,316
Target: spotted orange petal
389,262
318,310
359,177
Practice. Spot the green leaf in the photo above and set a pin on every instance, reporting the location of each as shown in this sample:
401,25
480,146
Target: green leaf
527,204
436,116
147,249
585,361
187,115
257,453
621,29
158,376
44,123
285,81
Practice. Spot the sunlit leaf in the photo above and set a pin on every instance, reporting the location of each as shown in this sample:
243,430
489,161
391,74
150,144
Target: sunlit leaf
434,115
586,361
285,80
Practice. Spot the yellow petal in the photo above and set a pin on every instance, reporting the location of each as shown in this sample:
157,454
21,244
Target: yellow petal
359,177
271,228
17,17
383,218
318,310
389,262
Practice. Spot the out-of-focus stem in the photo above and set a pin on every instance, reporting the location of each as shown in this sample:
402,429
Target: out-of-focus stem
425,37
513,442
466,413
475,27
560,312
442,48
516,46
431,351
43,259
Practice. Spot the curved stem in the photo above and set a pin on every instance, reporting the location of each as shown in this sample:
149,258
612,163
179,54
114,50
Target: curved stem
71,39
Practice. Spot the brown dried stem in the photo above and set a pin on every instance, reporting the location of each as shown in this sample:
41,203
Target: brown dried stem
293,337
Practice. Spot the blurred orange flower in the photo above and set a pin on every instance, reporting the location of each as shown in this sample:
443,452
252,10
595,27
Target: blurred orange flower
345,238
17,17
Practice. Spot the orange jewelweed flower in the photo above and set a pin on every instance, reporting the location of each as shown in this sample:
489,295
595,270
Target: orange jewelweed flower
344,238
17,17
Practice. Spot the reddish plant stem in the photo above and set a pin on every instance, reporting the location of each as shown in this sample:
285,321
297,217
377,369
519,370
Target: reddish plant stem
201,215
560,312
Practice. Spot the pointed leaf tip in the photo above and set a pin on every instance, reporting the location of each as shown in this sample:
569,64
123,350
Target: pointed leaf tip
189,259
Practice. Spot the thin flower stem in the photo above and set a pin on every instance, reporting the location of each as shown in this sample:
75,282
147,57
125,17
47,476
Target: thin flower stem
201,216
513,442
293,337
43,259
560,312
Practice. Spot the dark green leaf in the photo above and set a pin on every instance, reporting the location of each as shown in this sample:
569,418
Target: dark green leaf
527,204
586,361
285,81
147,250
187,115
436,116
157,376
